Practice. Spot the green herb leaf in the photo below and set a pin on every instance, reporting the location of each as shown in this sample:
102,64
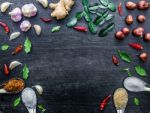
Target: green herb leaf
136,101
124,56
128,71
27,45
94,7
85,2
104,2
102,7
72,23
140,70
110,26
79,15
111,7
109,17
25,72
92,28
41,107
4,47
55,29
16,102
87,16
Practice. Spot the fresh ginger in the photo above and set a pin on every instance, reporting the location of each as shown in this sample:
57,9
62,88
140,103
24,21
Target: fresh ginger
61,9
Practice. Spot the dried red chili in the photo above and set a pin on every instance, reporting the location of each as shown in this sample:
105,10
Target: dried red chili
17,49
6,70
81,28
115,60
136,46
46,20
120,9
104,102
5,26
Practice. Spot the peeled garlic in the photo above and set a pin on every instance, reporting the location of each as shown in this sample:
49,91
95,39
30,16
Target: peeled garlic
37,29
16,14
25,26
14,64
4,6
29,10
14,35
39,89
44,3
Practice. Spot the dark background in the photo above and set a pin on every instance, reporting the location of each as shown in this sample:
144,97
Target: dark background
75,69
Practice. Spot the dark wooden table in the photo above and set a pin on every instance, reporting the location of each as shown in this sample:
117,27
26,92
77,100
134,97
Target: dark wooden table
75,69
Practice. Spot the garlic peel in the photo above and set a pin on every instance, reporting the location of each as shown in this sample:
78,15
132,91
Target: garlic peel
4,6
29,10
39,89
44,3
14,64
14,35
37,29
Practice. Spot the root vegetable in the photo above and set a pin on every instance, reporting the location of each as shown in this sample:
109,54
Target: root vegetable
138,31
129,19
143,56
143,5
141,18
126,31
147,37
61,9
130,5
119,35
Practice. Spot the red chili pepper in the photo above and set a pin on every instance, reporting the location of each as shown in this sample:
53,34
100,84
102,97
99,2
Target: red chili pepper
120,9
81,28
17,49
46,20
104,102
115,60
136,46
6,70
5,26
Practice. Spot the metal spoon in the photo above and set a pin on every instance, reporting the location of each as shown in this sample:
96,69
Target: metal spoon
29,99
4,91
135,84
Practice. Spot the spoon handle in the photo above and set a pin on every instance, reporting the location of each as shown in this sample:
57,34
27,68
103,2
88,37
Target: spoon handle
120,111
147,89
32,110
2,91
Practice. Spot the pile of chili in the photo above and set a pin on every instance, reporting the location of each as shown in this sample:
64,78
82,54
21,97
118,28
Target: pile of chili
80,28
120,9
104,102
18,49
136,46
6,70
46,20
5,26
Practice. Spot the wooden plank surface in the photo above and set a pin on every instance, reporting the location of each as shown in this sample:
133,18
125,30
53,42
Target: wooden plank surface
74,68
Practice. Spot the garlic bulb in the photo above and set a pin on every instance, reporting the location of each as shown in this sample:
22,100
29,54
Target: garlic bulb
29,10
14,35
44,3
16,14
39,89
37,29
14,64
4,6
25,26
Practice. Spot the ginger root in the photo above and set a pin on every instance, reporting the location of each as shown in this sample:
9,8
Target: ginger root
61,9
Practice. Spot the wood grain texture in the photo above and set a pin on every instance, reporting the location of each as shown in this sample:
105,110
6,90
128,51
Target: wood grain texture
74,68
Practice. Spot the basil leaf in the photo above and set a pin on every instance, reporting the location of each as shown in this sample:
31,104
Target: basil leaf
124,56
104,2
128,71
72,23
55,29
79,15
85,2
140,70
102,7
25,72
42,108
103,33
4,47
136,101
87,16
27,45
16,102
102,22
99,14
111,7
94,7
93,12
109,17
110,26
92,28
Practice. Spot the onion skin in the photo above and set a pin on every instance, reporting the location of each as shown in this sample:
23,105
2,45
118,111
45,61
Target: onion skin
130,5
129,20
141,18
125,30
142,5
143,56
147,37
119,35
139,32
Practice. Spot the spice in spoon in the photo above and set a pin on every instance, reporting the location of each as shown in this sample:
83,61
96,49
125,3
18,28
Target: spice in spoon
120,98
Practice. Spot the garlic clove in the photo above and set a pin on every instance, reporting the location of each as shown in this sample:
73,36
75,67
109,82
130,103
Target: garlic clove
29,10
14,35
14,64
44,3
16,14
39,89
4,6
25,26
37,29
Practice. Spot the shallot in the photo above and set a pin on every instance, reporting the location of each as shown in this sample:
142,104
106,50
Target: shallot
16,14
25,26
